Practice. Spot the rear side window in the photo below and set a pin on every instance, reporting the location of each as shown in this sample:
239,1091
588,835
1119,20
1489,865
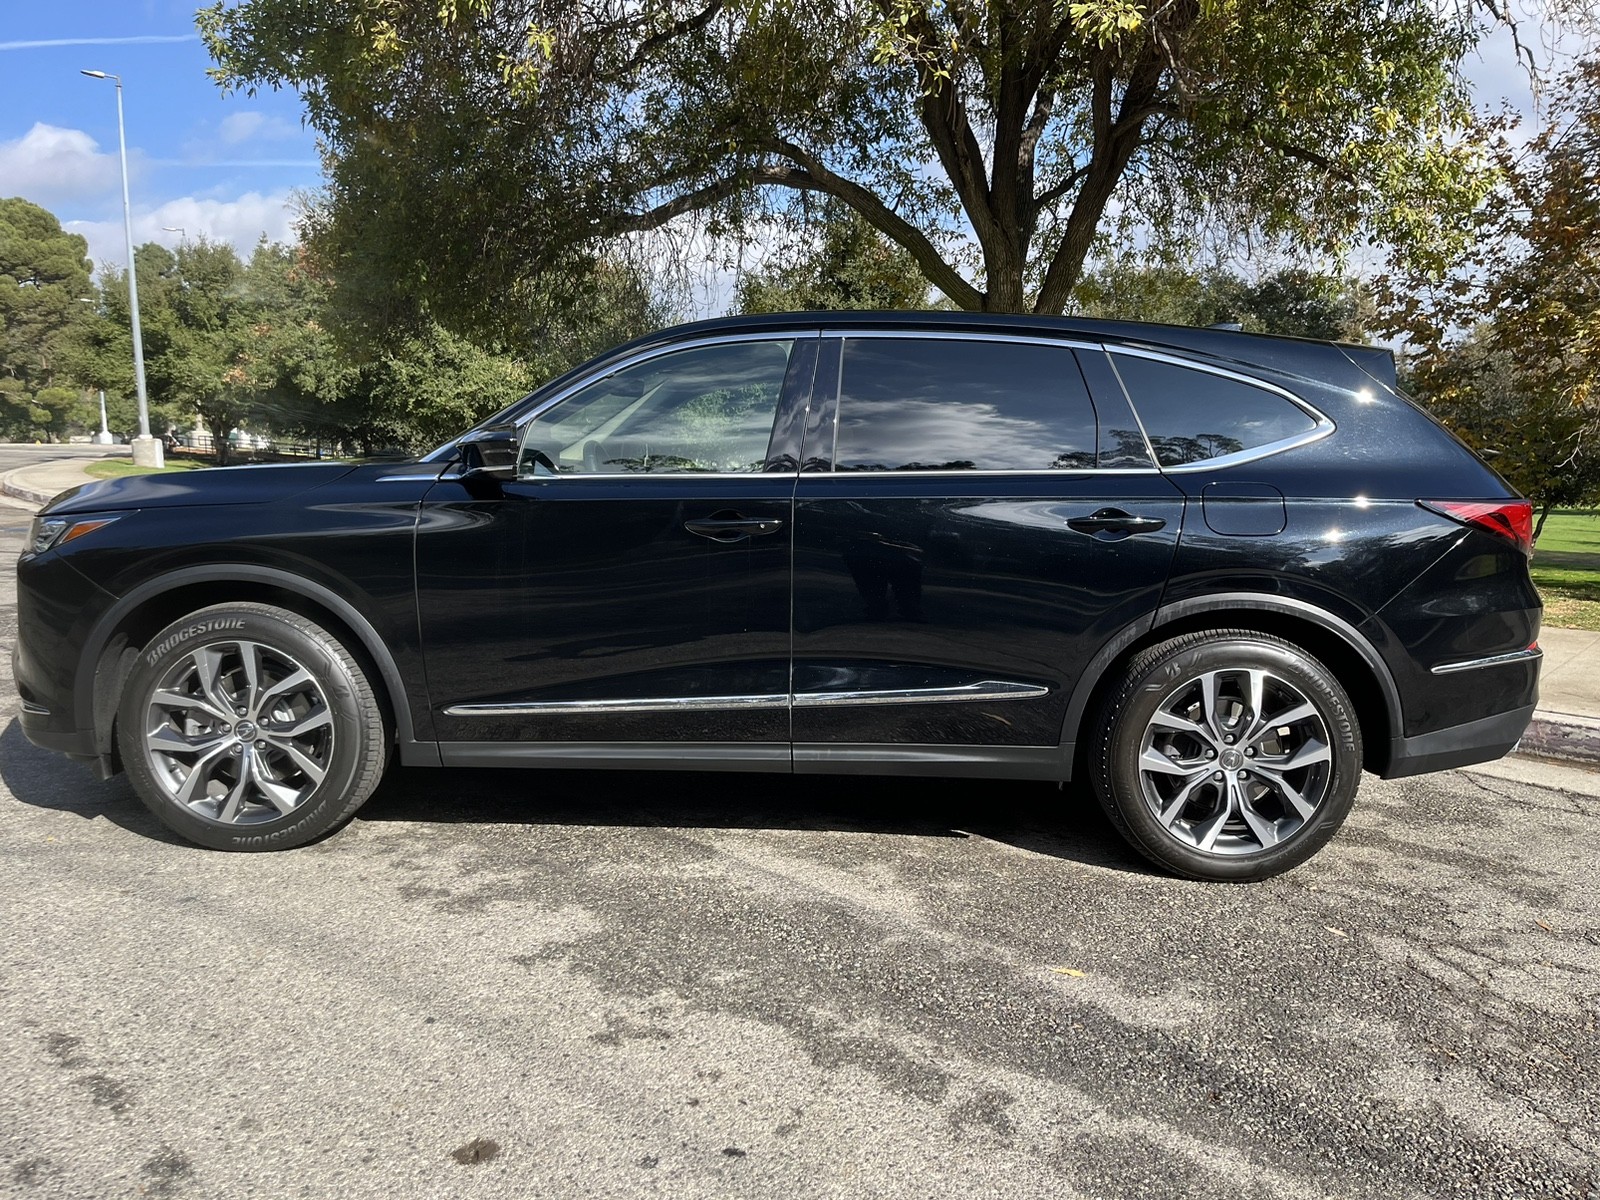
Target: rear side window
1191,416
942,404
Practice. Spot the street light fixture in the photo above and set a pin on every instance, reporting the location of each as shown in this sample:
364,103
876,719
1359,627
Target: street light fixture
177,229
146,450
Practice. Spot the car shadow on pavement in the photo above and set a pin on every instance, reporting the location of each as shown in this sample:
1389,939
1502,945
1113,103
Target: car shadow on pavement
1038,817
44,779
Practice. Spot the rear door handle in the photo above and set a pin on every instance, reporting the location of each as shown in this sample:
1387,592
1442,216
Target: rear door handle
733,528
1114,521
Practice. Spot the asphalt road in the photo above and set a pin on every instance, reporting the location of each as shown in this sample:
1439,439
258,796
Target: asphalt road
628,984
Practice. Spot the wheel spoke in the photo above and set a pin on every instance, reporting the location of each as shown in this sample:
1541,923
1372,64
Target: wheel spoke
1208,704
1266,832
230,809
296,679
1256,698
208,671
1307,755
1154,760
250,663
316,719
170,699
299,757
1288,791
1171,720
1300,712
168,740
1180,799
200,774
280,796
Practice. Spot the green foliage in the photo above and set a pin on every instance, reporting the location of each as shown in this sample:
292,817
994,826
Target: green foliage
1506,347
1291,301
477,148
44,277
836,261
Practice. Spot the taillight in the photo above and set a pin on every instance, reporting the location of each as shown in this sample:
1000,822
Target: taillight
1512,519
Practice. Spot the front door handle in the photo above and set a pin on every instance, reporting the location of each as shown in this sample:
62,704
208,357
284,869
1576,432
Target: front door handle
1114,521
731,527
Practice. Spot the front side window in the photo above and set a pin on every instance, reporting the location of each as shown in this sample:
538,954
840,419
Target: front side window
961,404
707,409
1191,416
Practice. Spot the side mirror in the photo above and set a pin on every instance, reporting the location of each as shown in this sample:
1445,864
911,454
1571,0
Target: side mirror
490,452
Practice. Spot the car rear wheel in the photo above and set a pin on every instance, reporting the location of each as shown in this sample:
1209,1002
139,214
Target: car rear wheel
1227,755
250,727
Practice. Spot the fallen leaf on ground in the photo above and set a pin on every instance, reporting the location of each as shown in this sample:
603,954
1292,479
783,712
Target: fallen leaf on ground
1336,932
1072,971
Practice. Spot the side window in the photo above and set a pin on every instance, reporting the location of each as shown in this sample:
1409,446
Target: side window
957,404
705,409
1194,415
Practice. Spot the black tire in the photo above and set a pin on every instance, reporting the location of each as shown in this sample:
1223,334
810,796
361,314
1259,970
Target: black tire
1169,776
301,750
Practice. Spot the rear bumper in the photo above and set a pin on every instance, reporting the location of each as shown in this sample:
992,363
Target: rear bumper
1483,740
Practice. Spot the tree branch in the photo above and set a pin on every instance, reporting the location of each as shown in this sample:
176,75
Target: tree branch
812,175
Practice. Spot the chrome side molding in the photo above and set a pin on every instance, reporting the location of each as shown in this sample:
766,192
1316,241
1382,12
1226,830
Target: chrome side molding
1494,660
987,689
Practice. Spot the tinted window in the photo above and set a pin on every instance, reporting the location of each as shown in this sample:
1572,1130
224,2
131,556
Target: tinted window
909,404
707,409
1194,415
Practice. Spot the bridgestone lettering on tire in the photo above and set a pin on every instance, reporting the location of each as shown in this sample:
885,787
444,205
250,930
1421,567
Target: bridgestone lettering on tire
1227,755
249,727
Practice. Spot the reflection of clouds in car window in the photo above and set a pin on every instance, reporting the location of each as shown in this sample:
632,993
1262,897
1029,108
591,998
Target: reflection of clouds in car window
913,404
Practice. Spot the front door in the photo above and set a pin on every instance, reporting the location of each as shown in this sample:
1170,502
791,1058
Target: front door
631,585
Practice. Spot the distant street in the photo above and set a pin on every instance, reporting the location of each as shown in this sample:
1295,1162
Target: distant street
21,454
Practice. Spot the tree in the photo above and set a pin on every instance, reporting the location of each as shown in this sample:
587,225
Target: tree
837,262
1293,300
44,277
475,145
1507,345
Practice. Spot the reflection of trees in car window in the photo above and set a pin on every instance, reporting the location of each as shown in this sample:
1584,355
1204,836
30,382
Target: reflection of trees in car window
1175,451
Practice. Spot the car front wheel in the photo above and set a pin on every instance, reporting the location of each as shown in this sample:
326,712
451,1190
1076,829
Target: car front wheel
249,727
1227,755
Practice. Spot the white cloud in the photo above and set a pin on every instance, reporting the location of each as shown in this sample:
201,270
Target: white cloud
241,221
255,126
49,163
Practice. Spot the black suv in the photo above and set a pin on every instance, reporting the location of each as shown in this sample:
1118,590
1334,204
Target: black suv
1217,573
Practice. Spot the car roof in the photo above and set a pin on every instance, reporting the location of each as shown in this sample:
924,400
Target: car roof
1292,355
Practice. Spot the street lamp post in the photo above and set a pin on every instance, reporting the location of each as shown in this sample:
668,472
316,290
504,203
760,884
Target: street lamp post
146,449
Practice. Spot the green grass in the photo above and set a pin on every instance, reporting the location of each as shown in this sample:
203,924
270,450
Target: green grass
1566,568
116,468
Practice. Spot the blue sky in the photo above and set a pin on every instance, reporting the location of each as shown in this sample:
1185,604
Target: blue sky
227,168
224,167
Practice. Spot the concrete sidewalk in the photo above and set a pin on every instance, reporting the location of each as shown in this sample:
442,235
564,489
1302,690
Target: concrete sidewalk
1566,726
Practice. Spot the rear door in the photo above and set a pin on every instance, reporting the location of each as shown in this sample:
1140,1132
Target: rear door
969,530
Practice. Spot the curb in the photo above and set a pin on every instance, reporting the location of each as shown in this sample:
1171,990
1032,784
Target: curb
21,491
1565,736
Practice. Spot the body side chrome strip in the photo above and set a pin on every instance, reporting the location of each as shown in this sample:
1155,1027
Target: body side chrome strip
1493,660
987,689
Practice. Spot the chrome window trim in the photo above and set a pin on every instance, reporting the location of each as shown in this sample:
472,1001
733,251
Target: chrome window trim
986,689
1322,428
976,473
645,355
1493,660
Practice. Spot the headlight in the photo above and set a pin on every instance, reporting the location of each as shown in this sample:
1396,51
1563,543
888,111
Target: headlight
58,531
